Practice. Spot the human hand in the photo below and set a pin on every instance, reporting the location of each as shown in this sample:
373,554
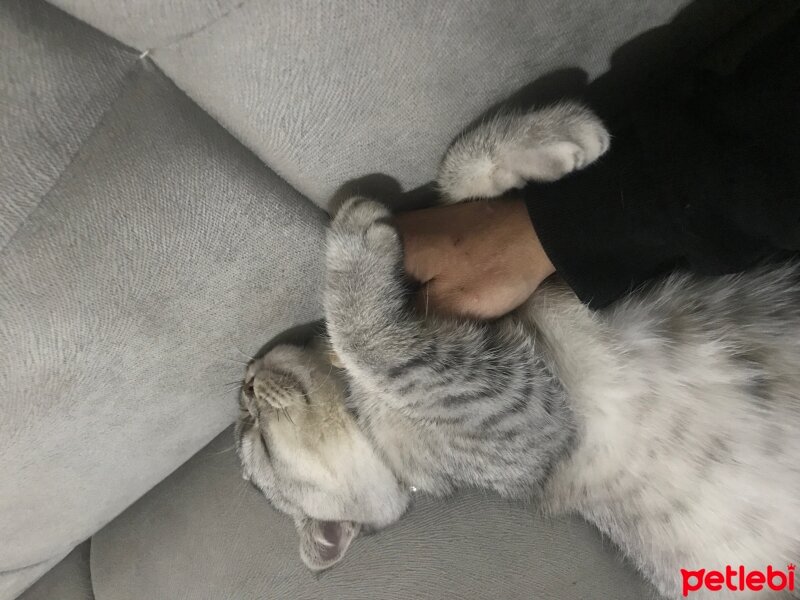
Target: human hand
478,259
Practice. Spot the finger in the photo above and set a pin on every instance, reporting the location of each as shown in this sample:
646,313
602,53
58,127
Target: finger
438,297
419,263
423,302
423,253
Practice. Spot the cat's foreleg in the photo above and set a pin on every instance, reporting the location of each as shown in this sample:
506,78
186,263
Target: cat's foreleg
377,334
366,294
468,380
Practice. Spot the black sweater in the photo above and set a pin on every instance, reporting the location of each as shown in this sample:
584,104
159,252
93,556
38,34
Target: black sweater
705,177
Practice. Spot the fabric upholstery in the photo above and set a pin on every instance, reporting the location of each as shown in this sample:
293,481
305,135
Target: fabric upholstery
327,91
15,581
146,24
206,534
68,580
127,293
143,249
57,77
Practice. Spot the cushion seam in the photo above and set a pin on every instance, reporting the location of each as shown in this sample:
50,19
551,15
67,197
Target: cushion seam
151,53
132,70
33,565
190,34
261,160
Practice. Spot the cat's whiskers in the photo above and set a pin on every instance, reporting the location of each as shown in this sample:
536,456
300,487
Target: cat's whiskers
249,358
296,407
231,386
228,449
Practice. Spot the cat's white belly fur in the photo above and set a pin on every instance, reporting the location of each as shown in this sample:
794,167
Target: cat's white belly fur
673,468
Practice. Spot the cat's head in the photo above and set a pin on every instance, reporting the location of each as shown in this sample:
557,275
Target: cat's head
301,447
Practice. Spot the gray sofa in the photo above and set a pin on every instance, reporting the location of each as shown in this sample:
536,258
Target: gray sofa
165,167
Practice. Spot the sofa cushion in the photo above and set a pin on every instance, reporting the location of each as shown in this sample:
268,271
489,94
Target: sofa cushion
129,290
68,580
206,534
13,582
57,79
327,91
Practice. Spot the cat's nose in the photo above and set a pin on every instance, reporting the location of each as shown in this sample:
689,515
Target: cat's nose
248,388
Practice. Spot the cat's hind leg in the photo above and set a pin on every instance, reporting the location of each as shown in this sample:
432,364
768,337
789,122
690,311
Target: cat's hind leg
509,149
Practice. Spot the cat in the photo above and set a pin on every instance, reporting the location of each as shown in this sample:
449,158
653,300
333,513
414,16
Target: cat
669,420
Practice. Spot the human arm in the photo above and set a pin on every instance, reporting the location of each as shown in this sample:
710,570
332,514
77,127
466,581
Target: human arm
706,182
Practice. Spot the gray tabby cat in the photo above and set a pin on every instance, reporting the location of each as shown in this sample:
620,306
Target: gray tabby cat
671,420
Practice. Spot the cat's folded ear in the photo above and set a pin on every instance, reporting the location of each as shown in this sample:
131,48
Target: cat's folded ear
323,543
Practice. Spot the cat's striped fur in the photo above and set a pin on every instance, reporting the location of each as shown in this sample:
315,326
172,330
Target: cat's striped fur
669,420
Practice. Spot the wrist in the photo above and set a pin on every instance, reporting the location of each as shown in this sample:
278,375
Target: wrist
532,258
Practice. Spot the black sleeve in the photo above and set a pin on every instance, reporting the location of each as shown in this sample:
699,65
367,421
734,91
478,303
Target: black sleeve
708,180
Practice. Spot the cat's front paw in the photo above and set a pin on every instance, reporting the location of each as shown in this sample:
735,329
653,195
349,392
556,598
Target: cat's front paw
506,151
584,138
362,228
357,214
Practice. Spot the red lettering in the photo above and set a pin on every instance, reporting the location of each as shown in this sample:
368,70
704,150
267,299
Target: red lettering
729,575
755,581
698,580
771,574
774,579
714,581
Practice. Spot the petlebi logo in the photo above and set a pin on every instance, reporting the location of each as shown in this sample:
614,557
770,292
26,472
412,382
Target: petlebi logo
738,579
